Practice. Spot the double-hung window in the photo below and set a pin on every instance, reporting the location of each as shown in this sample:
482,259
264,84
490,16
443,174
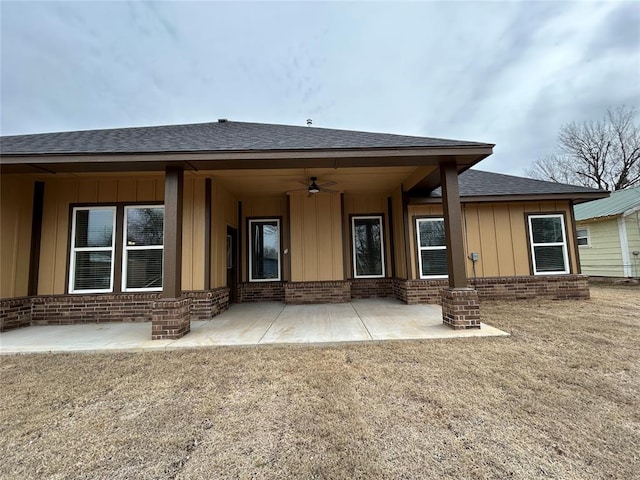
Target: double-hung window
548,244
102,235
582,237
143,248
92,250
432,248
264,250
368,246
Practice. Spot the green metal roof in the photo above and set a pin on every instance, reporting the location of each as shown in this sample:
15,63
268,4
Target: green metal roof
619,202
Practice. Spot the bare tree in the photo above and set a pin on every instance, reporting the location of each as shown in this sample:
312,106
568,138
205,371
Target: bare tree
602,154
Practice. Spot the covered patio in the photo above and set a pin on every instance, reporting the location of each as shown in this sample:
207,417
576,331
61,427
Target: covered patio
253,324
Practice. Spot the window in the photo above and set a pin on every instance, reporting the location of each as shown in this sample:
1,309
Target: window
582,235
264,250
368,247
548,244
92,250
432,248
95,248
143,248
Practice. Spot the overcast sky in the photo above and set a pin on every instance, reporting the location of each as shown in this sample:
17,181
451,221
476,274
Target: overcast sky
509,73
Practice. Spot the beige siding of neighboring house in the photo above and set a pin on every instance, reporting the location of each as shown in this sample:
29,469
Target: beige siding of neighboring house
224,212
603,256
274,206
316,237
633,239
498,233
365,205
16,198
60,194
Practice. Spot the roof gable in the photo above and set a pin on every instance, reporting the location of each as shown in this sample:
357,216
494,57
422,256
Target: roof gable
619,202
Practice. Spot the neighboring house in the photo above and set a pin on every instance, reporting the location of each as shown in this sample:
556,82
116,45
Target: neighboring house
173,223
608,233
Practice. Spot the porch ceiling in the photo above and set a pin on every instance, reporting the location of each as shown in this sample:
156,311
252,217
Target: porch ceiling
347,180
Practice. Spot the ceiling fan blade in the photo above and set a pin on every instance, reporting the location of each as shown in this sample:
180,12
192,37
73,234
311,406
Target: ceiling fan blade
297,190
328,190
328,184
306,184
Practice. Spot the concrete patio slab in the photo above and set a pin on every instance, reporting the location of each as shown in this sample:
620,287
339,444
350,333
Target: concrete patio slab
241,324
252,324
317,324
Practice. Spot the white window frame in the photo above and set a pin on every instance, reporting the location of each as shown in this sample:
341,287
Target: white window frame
563,244
353,244
74,250
587,236
250,233
126,248
421,248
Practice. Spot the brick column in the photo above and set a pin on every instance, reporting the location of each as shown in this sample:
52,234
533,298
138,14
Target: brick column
170,319
460,308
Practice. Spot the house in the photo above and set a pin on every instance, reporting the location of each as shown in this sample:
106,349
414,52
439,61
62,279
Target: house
172,223
608,232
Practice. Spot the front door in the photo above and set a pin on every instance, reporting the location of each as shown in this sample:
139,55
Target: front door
232,263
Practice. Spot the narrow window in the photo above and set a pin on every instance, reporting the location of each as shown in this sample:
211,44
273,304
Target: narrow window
582,235
264,250
143,248
548,244
92,250
432,248
229,252
368,247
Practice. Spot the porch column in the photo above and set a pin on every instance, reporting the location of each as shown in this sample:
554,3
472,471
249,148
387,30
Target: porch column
170,316
460,306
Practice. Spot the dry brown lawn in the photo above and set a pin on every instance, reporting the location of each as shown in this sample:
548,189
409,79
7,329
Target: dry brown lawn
557,399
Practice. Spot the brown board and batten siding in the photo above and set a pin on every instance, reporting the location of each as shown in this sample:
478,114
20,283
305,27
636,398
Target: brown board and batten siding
398,234
498,232
316,237
224,212
357,205
15,235
60,194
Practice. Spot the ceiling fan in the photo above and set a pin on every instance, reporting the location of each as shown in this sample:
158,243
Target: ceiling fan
313,187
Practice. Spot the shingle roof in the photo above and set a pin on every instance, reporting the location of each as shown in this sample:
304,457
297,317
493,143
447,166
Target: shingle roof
619,202
477,183
212,137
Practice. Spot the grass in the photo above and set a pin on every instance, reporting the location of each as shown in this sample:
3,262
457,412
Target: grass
557,399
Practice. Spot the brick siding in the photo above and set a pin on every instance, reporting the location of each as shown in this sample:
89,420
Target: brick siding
206,305
102,308
317,292
555,287
260,292
372,288
15,313
170,319
460,308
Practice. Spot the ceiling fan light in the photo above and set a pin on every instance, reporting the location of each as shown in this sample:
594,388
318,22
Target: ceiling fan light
313,188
